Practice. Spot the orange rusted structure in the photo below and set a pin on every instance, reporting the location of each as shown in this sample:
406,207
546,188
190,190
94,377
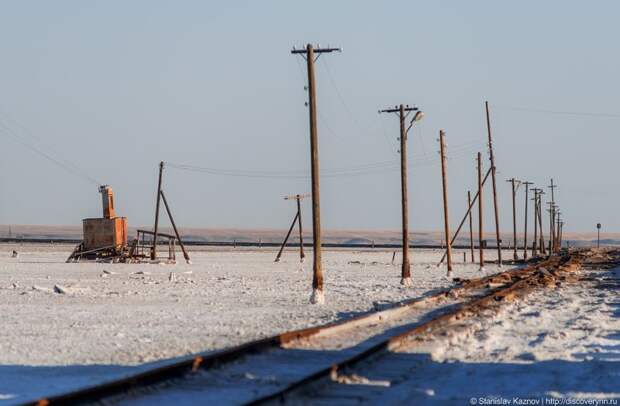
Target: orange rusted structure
107,200
102,233
105,238
109,231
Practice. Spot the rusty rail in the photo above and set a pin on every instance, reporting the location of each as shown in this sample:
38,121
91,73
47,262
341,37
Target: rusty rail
208,360
520,287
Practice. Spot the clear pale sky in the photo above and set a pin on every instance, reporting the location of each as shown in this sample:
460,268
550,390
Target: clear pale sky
113,87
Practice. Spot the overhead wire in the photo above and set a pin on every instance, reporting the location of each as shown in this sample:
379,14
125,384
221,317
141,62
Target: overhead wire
26,132
557,112
457,151
352,117
68,166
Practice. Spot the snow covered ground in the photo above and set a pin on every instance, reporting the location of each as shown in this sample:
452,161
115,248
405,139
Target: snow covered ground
113,317
555,346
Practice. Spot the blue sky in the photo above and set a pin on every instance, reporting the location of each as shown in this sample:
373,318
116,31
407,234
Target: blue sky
113,87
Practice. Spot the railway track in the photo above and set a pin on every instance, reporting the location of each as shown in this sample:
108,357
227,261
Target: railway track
273,369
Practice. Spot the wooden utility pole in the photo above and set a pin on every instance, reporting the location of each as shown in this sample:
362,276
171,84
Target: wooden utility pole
535,243
527,190
480,214
557,231
403,111
296,219
444,182
462,223
471,231
558,245
543,250
302,255
174,227
160,197
318,297
552,186
156,227
493,170
514,182
551,211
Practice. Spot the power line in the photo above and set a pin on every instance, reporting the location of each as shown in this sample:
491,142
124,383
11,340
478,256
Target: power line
349,111
358,170
281,174
557,112
66,165
27,133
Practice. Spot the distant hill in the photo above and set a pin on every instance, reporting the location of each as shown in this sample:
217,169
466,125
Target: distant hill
276,236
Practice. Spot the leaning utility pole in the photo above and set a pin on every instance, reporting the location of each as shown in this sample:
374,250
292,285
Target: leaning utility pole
462,223
403,111
471,231
296,219
174,227
493,170
444,182
160,197
540,224
527,189
318,296
155,228
480,216
514,217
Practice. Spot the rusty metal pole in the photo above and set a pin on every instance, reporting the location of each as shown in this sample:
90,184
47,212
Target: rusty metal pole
444,182
493,170
471,231
288,234
527,189
514,218
156,227
301,238
480,214
174,227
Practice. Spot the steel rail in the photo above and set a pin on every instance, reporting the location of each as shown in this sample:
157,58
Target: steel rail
208,360
521,286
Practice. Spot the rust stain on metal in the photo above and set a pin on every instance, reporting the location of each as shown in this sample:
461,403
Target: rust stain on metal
196,364
104,232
